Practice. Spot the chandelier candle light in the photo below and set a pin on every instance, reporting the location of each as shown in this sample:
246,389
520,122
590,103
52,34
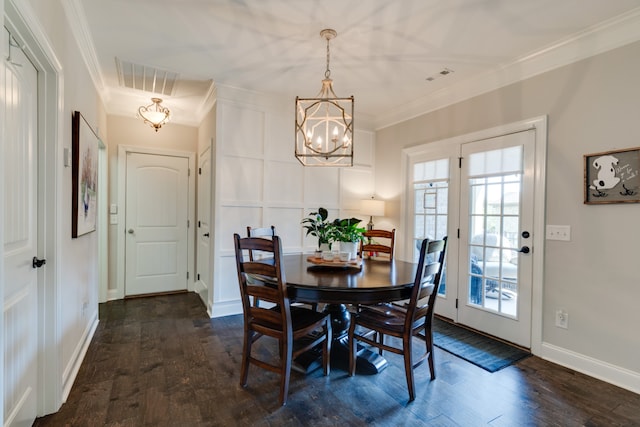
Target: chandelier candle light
155,115
324,124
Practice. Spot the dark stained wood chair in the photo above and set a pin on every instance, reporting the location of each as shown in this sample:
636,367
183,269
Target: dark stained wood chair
376,321
368,244
260,232
296,329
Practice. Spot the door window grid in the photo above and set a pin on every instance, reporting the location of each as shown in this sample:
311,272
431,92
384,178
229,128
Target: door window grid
431,200
494,224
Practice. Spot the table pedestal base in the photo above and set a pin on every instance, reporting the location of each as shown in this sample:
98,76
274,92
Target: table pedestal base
367,362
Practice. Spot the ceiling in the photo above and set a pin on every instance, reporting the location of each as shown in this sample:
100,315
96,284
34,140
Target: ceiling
388,54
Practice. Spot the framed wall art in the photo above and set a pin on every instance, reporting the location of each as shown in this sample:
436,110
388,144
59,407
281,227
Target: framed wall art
612,177
84,170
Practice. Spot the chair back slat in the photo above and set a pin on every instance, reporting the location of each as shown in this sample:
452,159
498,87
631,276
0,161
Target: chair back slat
427,280
367,245
265,232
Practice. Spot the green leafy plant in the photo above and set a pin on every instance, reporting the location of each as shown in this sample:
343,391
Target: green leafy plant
347,230
317,225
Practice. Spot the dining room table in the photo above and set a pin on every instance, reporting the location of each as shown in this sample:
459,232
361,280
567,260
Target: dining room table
342,286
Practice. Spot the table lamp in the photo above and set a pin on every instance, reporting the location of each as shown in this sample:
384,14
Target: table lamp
372,208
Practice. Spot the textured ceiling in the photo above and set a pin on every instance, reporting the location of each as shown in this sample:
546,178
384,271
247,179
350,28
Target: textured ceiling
388,54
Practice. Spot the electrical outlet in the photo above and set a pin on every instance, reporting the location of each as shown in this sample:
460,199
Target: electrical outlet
558,232
562,319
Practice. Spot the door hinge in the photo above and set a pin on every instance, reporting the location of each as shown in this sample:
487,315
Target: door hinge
456,303
187,275
189,172
198,276
188,223
458,233
199,171
459,162
199,225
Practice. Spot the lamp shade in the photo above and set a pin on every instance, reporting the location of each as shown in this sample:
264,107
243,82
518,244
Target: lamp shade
372,207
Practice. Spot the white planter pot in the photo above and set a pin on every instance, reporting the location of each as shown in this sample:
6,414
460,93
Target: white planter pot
325,247
351,247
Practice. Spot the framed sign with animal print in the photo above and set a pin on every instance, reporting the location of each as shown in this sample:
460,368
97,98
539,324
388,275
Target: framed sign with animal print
612,177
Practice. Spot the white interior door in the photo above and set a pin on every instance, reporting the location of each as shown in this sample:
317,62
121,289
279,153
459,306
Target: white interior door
204,238
157,189
496,228
20,303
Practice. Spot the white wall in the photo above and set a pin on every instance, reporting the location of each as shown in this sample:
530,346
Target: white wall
592,106
258,182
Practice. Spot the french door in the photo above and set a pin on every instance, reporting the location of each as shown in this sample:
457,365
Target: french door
496,229
480,193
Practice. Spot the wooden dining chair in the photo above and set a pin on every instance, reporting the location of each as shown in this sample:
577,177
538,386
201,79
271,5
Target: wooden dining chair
260,232
373,322
369,245
296,329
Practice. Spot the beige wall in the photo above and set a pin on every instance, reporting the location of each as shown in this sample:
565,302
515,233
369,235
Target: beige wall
592,106
134,132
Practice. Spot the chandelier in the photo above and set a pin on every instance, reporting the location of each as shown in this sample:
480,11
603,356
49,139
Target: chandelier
324,124
155,115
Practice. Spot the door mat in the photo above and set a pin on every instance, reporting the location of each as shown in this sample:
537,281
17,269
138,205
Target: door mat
487,353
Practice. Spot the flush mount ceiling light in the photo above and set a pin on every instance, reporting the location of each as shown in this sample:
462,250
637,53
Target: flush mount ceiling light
155,115
324,124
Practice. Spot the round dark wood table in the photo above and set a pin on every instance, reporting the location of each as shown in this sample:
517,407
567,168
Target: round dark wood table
376,281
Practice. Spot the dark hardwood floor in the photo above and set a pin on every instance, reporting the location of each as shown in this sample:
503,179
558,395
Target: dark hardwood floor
160,361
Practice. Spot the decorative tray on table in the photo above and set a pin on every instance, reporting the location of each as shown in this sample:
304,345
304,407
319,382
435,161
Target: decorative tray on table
320,263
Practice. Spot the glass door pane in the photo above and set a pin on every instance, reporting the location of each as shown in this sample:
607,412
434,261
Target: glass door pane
431,201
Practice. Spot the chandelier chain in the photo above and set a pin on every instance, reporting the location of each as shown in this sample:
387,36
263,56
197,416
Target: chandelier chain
327,73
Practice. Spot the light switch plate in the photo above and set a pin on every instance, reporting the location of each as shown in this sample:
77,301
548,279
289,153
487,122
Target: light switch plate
558,232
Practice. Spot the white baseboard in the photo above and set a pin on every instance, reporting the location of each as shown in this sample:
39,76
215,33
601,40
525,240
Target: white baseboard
604,371
71,371
226,308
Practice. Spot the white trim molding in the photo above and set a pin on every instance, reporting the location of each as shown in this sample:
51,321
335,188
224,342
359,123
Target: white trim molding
604,371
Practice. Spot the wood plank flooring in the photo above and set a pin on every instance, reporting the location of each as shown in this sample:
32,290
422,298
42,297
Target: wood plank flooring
160,361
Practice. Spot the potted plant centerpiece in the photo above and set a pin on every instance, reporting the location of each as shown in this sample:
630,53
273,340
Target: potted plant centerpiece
317,225
347,232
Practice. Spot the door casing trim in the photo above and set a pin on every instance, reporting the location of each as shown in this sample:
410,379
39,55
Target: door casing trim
539,211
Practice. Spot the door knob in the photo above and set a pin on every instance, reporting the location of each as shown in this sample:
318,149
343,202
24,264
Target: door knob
37,263
130,231
206,234
525,250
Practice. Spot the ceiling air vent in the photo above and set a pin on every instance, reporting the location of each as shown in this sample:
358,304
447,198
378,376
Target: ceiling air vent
146,78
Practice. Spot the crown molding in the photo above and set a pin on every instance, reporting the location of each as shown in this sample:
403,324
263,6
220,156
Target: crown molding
78,25
611,34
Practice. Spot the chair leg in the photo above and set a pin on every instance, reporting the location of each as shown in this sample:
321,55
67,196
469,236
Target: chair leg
408,365
352,349
381,341
428,335
326,351
246,354
285,371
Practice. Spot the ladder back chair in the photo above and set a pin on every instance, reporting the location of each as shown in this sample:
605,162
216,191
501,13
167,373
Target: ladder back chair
296,329
367,244
260,232
376,321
